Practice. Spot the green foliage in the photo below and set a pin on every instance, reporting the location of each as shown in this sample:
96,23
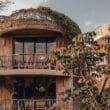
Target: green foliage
70,28
80,61
42,89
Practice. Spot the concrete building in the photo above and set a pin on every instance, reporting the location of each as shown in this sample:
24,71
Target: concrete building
103,38
27,36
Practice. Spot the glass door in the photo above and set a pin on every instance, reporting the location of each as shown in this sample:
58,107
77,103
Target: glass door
18,54
40,52
23,52
28,53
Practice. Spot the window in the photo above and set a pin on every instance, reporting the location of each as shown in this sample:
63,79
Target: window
18,48
33,46
31,52
41,46
28,47
51,45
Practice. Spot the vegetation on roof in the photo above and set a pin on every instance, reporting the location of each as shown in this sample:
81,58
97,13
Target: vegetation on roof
70,28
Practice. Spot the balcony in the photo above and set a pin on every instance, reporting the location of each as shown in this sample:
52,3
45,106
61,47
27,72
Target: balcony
26,64
30,104
23,61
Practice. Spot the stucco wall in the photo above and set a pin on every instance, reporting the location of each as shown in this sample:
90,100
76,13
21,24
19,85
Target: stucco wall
4,93
62,83
5,45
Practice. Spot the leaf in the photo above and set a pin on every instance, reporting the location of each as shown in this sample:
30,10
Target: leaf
84,88
76,92
42,89
80,81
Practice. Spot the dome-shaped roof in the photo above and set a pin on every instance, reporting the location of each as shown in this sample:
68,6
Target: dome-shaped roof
70,28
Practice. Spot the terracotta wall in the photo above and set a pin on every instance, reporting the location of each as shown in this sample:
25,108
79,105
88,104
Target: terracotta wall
102,42
60,42
5,45
4,93
62,83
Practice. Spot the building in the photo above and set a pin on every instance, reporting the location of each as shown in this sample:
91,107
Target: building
27,36
103,38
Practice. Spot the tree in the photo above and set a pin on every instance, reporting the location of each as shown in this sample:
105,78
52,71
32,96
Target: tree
81,60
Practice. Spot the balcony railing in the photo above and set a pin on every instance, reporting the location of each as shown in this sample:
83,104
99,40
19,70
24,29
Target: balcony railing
42,104
23,61
30,104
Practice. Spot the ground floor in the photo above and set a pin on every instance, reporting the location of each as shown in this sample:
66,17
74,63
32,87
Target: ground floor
32,92
34,88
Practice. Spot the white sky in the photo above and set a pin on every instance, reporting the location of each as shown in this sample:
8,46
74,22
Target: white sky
19,4
88,14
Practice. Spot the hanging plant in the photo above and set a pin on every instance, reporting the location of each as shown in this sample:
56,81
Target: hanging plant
42,89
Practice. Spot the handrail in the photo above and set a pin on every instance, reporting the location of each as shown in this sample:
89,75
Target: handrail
24,61
34,104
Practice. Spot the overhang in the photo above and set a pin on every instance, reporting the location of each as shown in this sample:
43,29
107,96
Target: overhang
35,72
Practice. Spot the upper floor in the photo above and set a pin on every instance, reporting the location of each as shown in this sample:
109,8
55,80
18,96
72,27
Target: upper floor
29,35
28,52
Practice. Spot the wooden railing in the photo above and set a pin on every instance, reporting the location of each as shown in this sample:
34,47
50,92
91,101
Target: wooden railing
23,61
30,104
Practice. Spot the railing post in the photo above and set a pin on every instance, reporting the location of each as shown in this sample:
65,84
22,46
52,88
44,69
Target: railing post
49,66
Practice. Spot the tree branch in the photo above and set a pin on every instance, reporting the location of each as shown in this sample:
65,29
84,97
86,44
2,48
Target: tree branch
103,86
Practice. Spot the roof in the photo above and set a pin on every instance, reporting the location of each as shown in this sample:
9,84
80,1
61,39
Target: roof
68,26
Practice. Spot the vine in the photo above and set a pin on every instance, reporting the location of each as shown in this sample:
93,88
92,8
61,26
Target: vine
71,29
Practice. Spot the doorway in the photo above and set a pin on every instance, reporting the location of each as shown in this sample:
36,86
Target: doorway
34,88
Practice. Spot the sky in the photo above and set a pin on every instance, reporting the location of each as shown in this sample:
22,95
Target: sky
88,14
